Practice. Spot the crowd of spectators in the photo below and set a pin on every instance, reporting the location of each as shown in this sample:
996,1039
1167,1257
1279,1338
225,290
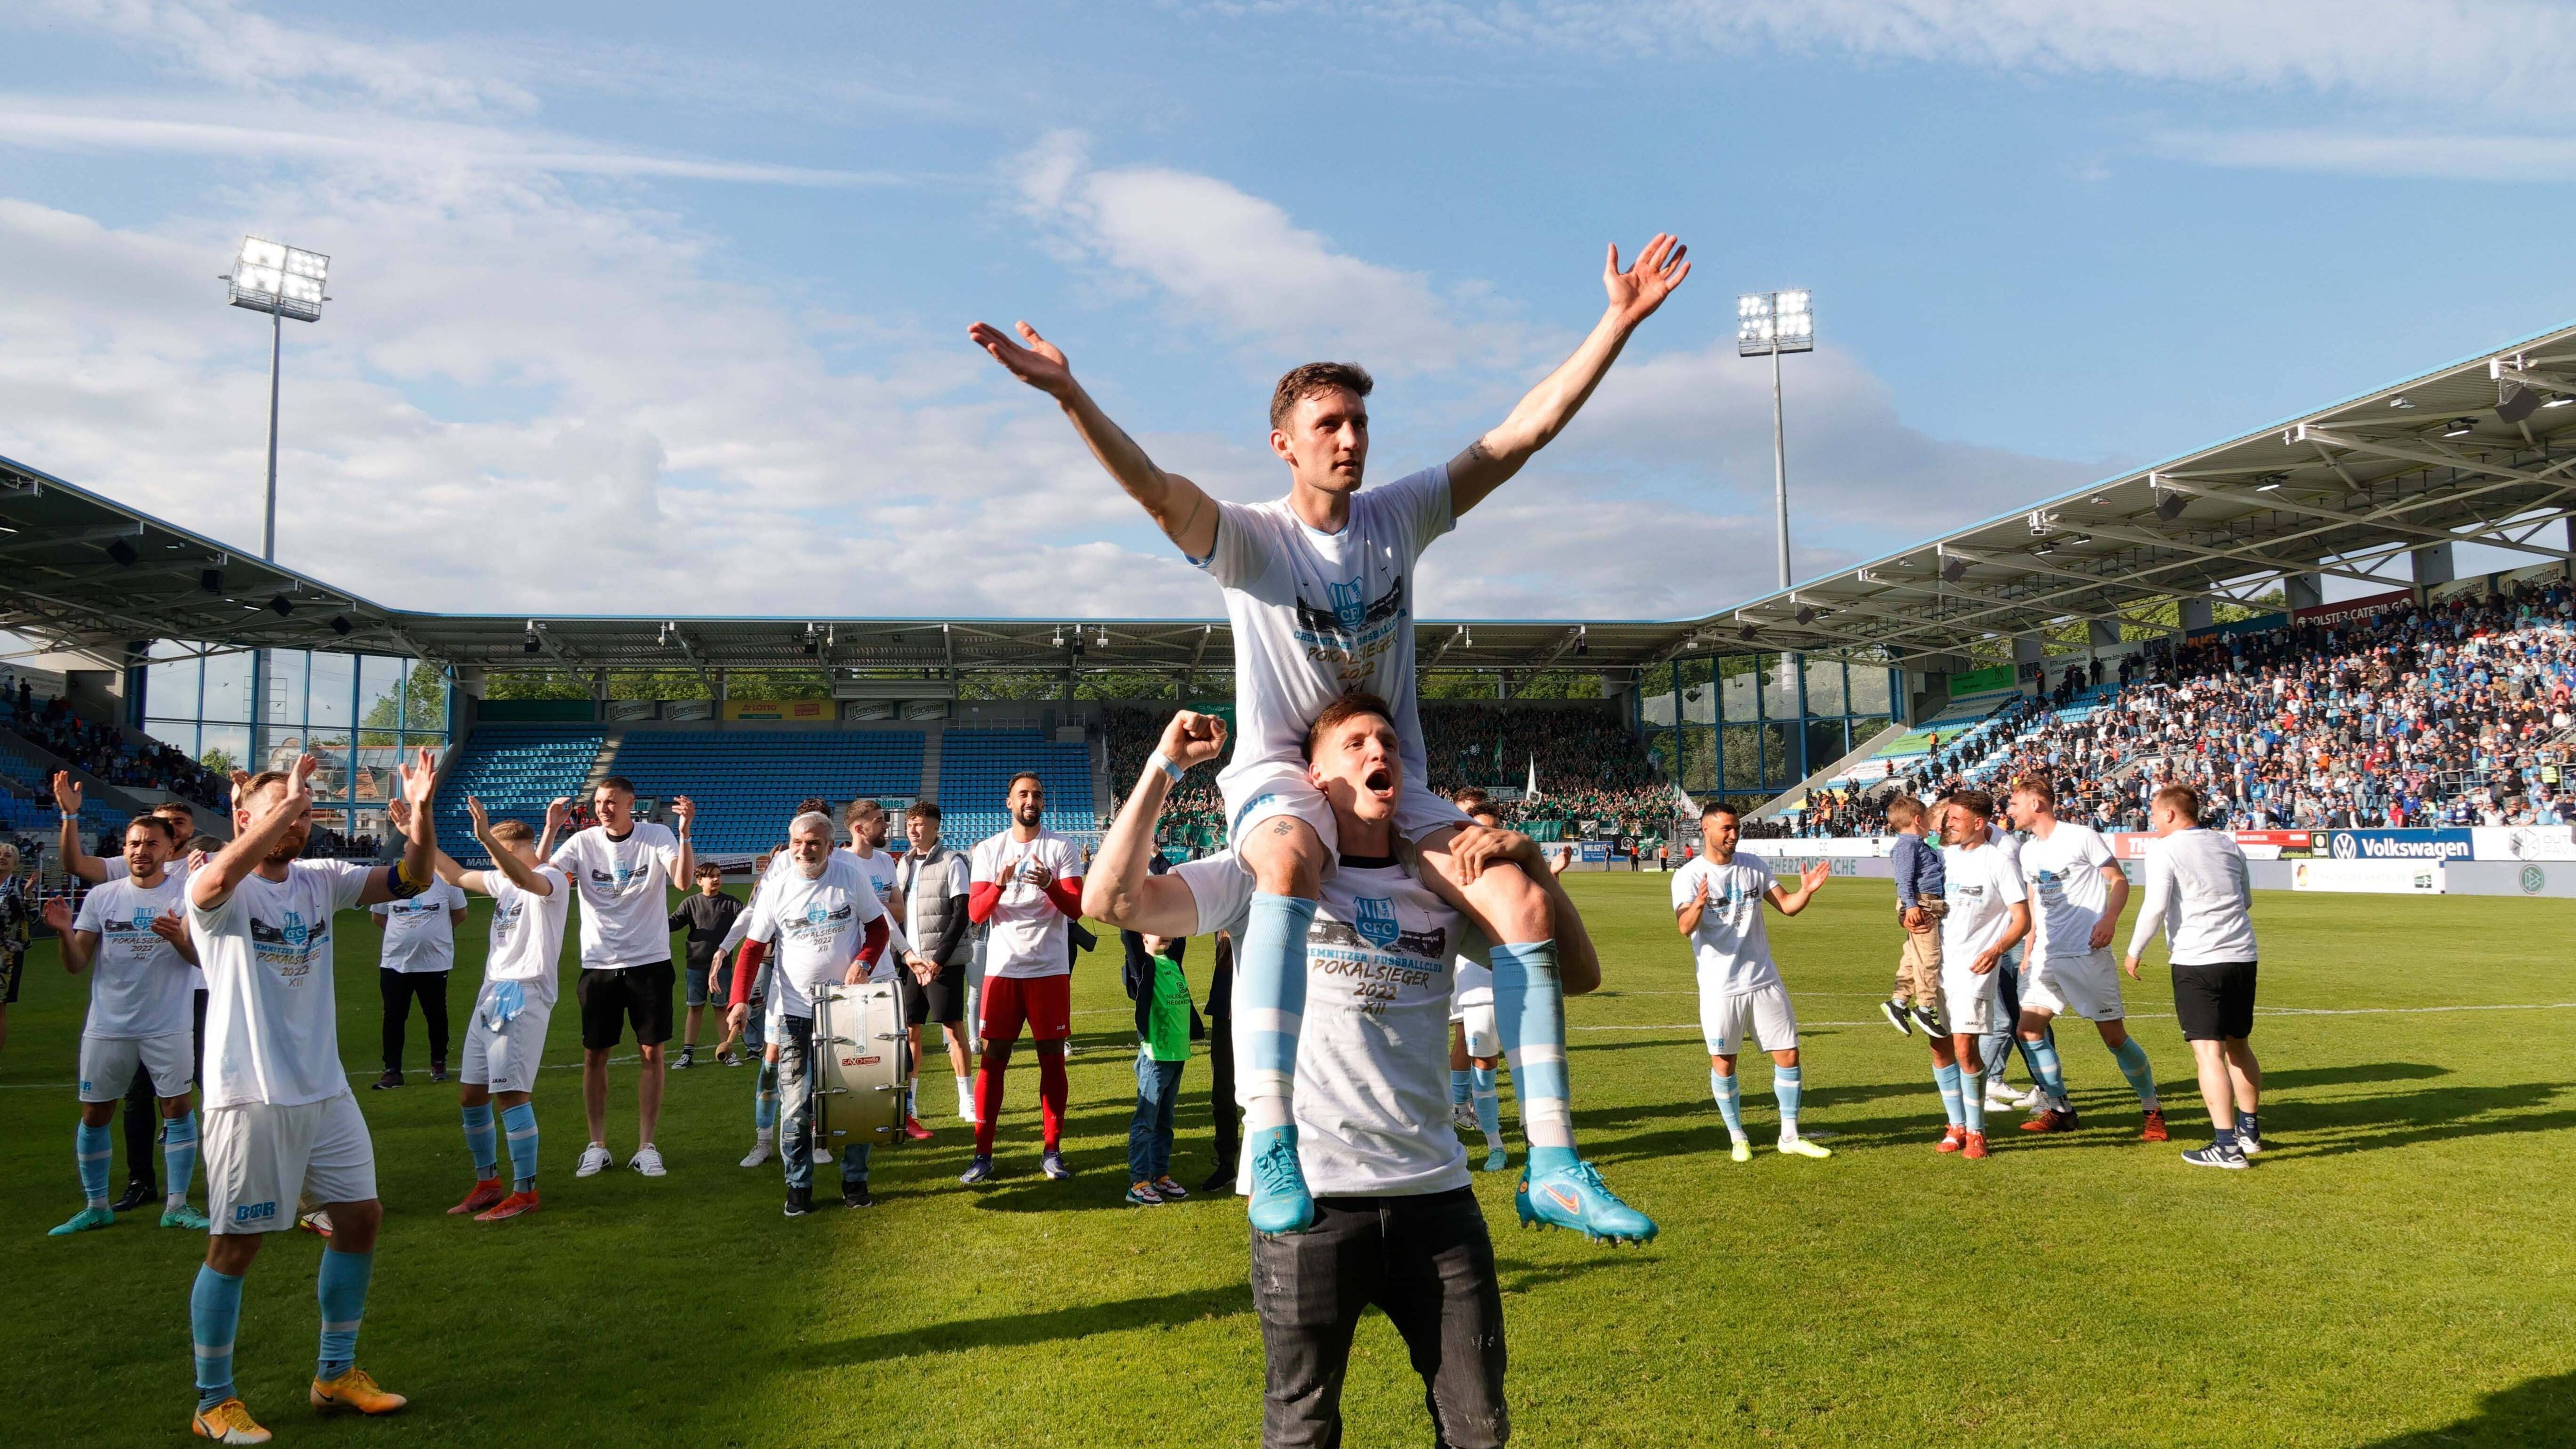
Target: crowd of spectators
142,764
1194,818
2400,716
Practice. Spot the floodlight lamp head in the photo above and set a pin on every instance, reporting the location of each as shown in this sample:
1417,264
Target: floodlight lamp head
2459,427
276,278
2042,523
1794,320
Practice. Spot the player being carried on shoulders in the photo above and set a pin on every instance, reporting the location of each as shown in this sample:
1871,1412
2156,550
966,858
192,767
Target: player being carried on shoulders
1319,588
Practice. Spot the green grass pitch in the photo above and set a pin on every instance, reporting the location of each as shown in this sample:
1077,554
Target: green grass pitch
2399,1270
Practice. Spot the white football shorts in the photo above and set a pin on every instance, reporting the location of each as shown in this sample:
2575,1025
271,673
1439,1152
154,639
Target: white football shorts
259,1158
1764,1013
108,1064
2087,986
1971,1005
505,1059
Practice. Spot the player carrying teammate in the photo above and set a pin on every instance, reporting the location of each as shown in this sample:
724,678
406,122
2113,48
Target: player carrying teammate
139,1008
1717,902
280,1120
2079,892
1319,586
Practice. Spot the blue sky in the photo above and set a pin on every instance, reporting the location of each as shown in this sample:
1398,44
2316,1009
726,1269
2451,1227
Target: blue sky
649,308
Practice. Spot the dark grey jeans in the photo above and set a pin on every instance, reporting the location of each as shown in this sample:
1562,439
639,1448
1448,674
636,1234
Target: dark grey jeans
1427,1263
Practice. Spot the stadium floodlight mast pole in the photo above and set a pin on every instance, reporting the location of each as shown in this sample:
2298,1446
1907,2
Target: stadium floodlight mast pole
282,281
1773,323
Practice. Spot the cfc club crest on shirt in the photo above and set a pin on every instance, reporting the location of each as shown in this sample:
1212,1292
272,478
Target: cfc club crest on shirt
1376,921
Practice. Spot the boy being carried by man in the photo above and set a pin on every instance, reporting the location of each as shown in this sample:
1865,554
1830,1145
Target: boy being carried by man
1919,909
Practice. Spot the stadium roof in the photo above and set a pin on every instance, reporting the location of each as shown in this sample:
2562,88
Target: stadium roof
2480,451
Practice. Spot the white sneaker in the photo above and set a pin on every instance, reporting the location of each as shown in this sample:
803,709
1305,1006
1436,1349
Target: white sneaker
966,1101
759,1151
2030,1102
1462,1115
823,1154
2000,1098
594,1161
648,1161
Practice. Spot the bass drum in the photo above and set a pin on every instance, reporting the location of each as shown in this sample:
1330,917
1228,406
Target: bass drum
864,1058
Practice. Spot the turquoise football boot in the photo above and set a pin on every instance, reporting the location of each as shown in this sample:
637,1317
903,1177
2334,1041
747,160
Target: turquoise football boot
1280,1202
1574,1197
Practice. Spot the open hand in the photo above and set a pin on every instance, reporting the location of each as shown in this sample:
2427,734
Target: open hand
1814,876
299,785
170,928
1037,872
558,813
58,915
684,810
67,793
420,781
1040,364
1638,291
1193,739
481,818
398,814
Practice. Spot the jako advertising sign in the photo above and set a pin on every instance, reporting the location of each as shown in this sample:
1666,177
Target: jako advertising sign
2399,845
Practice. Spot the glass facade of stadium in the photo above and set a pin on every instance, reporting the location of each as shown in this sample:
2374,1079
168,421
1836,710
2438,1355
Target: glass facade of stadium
258,709
1748,726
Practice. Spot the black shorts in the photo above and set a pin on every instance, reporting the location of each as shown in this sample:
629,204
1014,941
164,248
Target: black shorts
2215,1001
612,998
942,1001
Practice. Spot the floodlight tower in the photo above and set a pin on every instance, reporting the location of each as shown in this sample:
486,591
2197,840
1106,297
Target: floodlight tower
282,281
1773,323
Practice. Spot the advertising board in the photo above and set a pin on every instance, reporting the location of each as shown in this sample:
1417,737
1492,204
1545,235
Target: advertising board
2398,844
2419,876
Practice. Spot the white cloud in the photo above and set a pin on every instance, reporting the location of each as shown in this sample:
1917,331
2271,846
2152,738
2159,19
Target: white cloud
2419,154
245,51
383,140
2504,54
1237,263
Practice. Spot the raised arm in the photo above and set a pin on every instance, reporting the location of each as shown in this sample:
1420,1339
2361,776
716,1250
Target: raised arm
1688,913
558,811
1179,507
252,841
79,948
419,864
521,874
1120,889
1548,407
77,862
684,867
1810,881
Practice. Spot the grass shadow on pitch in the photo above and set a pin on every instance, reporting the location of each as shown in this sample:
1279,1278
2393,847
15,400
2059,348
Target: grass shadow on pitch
2293,1078
2535,1411
2442,1114
1017,1330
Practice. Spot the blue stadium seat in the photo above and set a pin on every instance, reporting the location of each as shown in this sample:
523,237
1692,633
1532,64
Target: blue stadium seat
975,770
515,770
747,782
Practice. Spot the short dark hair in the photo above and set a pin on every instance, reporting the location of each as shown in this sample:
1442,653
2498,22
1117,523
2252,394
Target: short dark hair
1720,807
1014,782
1975,802
709,867
261,781
927,809
1348,707
860,809
1469,798
157,823
180,807
2184,801
813,805
613,782
1308,379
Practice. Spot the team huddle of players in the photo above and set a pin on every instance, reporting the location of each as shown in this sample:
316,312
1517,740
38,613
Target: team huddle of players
1352,892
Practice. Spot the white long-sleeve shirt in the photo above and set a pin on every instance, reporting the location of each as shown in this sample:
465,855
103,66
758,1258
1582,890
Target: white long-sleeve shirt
2199,895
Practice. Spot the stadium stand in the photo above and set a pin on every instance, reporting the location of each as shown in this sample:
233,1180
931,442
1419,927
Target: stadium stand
129,761
746,782
2456,714
975,770
515,772
1589,768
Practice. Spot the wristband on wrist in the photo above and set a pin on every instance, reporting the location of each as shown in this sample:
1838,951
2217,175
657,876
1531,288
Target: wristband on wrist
1162,762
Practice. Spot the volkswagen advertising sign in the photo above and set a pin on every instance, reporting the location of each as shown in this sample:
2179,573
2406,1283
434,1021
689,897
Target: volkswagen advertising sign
2399,844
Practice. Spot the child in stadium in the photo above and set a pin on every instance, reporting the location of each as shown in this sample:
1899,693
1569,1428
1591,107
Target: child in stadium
1919,909
1163,1048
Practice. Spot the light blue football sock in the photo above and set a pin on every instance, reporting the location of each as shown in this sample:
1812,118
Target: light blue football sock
342,1287
1972,1098
1270,1004
1730,1102
1489,1101
214,1318
179,1153
91,1147
1947,1079
520,1122
764,1098
2046,1070
1461,1089
1529,1015
478,1141
1785,1087
2133,1065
